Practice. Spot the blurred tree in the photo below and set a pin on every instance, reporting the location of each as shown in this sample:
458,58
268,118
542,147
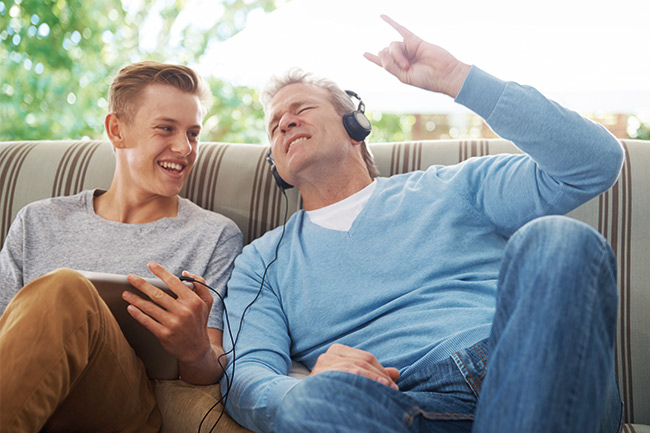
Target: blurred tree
53,67
59,56
387,127
643,131
638,126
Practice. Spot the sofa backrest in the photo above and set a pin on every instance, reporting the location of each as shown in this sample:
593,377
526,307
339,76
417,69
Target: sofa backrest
234,180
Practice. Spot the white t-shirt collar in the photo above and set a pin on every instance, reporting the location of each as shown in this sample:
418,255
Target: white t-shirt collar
341,215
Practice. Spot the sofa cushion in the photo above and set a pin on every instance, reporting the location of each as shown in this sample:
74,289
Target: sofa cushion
185,407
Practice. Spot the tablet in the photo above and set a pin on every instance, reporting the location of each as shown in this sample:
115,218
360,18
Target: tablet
158,363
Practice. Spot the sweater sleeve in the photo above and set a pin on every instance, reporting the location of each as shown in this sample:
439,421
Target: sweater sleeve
11,262
261,359
569,159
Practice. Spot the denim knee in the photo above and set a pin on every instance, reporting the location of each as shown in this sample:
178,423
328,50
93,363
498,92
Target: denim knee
556,237
564,230
551,256
306,399
554,327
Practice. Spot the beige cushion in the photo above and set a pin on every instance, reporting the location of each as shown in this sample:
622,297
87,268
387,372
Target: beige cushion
635,428
185,407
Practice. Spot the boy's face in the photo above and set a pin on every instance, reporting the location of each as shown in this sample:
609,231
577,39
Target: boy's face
161,142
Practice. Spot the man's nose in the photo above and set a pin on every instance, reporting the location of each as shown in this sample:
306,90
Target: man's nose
288,122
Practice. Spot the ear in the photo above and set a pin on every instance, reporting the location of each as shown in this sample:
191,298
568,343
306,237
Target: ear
114,130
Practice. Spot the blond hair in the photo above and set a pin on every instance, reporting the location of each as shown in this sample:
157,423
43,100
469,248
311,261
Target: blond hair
132,79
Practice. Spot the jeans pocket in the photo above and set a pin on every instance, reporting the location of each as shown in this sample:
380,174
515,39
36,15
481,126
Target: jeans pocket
472,363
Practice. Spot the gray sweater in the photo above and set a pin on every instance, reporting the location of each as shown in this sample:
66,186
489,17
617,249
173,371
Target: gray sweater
65,232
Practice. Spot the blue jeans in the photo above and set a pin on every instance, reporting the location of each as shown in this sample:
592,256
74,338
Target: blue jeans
551,355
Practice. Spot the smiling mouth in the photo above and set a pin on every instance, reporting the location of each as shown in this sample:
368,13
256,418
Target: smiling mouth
171,166
297,140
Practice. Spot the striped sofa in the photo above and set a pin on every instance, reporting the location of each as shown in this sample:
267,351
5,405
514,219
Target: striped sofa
233,179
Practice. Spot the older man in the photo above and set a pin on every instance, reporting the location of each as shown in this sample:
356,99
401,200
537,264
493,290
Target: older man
443,300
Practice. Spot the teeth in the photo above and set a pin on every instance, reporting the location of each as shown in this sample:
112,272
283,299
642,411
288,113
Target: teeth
296,141
170,166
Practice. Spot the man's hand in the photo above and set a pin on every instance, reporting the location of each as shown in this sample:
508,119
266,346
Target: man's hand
421,64
179,324
343,358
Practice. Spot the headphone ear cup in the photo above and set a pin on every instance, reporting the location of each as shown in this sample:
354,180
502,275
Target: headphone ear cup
357,125
282,184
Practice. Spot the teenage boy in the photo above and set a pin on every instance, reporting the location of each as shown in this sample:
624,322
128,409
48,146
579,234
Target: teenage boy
64,363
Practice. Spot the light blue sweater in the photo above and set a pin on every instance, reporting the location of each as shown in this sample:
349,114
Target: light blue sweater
414,279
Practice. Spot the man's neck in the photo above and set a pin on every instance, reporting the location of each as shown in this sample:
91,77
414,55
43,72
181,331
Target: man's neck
316,195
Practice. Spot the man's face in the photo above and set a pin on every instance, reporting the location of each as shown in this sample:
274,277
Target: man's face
305,132
161,141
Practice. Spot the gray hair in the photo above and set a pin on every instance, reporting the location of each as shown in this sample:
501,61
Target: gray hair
340,100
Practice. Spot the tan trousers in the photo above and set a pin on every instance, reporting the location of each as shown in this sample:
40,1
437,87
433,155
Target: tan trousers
66,366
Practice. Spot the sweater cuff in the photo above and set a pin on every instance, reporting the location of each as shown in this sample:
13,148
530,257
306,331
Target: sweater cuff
480,92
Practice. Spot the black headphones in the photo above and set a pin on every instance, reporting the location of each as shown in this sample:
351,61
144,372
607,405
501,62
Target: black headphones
356,124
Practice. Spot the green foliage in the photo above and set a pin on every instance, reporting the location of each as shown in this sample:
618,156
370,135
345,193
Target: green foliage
638,126
50,84
643,133
390,127
59,57
236,115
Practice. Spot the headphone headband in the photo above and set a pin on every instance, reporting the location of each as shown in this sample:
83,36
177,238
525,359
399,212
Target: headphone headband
362,106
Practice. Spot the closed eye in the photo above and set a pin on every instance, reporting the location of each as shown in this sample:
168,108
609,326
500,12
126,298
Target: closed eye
273,127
